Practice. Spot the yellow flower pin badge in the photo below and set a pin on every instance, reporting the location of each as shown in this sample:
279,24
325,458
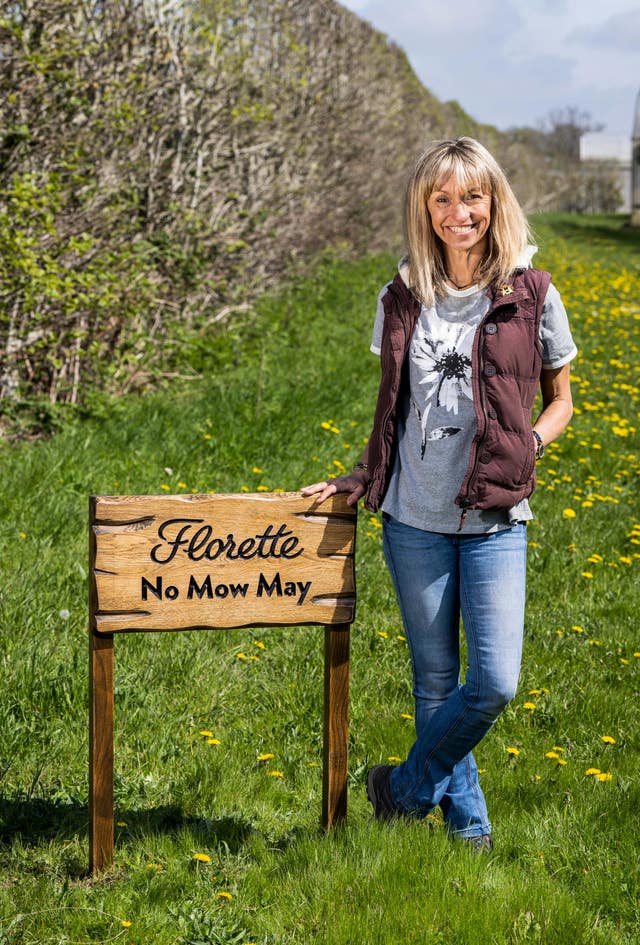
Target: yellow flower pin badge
506,289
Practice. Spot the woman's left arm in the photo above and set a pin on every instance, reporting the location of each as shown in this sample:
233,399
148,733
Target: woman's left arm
557,406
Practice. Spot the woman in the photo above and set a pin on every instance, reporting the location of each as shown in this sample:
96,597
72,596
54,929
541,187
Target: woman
466,331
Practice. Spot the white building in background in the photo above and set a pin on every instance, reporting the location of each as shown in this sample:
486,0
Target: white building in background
635,171
613,153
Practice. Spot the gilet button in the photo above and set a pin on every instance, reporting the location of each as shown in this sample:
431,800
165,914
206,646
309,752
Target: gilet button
489,370
491,328
485,457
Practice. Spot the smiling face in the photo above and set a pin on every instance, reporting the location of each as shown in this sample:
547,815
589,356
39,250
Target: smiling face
460,215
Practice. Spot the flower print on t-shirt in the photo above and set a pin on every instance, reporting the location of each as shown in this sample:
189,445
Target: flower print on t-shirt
441,357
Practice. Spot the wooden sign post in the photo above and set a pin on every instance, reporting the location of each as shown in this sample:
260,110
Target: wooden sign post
184,562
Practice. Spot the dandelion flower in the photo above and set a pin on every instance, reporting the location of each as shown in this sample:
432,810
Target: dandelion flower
383,634
552,754
225,895
213,741
201,857
608,740
394,759
568,513
126,924
206,733
578,629
256,470
604,776
529,705
407,715
267,756
276,774
591,771
512,751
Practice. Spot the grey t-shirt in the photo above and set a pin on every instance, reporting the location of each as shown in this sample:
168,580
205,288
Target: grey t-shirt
437,420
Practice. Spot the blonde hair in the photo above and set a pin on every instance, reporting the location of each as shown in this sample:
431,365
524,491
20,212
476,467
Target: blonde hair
508,235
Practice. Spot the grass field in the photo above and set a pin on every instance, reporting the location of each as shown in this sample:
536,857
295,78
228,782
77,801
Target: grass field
219,733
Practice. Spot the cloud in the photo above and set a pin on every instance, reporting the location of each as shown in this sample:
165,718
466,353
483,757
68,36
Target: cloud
621,32
509,63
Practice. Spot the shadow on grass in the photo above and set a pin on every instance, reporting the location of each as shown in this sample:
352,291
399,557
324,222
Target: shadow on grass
32,821
580,228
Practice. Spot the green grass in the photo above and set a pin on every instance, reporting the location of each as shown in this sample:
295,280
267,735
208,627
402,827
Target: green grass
565,865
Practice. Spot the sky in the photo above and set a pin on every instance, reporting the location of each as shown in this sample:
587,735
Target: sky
513,62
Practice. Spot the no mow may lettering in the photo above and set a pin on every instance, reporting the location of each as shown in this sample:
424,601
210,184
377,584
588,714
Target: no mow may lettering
180,562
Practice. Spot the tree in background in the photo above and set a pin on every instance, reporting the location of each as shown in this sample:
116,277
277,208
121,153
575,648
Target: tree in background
161,163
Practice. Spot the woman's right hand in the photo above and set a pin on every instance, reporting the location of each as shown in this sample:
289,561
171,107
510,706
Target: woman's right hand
355,484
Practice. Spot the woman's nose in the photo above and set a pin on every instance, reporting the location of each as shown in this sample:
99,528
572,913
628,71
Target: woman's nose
460,210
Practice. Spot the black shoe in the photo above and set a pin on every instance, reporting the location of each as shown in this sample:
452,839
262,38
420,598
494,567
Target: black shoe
481,844
379,793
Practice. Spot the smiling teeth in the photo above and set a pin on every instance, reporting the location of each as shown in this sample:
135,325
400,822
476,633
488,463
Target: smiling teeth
461,229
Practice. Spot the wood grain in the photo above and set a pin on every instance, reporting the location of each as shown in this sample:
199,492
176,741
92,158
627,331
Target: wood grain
336,725
176,562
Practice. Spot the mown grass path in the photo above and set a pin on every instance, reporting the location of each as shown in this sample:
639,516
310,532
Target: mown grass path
218,734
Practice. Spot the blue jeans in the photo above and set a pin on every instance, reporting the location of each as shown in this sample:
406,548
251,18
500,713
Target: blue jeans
437,578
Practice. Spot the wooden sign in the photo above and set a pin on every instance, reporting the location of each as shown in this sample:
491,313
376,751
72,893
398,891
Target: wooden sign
217,561
184,561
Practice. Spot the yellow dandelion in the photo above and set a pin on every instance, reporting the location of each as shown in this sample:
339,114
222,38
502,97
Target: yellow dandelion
241,656
121,823
225,895
267,756
213,741
276,774
383,634
578,629
591,771
407,715
201,857
325,425
126,924
604,776
568,513
552,754
512,751
259,644
206,733
256,470
394,759
528,705
608,740
404,640
587,574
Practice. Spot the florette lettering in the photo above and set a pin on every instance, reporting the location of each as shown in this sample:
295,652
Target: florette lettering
178,535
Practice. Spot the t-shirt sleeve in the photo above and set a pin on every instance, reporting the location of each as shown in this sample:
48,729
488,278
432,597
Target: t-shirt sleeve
376,337
558,347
